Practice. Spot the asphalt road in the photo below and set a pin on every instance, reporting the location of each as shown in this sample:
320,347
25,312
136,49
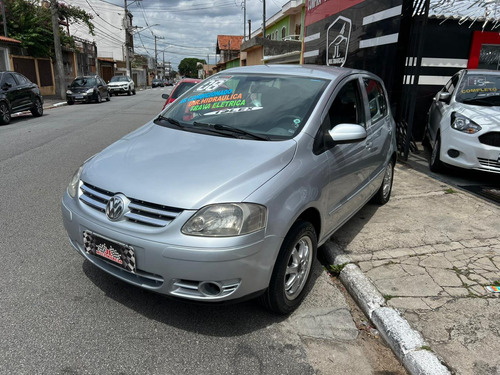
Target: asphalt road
61,315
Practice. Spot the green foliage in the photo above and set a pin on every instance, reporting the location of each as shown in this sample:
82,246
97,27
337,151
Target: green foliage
188,68
31,24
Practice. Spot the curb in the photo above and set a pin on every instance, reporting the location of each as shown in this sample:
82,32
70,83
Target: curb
406,343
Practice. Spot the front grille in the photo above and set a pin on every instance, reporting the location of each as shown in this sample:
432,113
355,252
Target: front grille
140,212
490,139
489,163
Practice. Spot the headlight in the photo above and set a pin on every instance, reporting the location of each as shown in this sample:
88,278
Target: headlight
69,92
464,124
73,185
90,91
225,220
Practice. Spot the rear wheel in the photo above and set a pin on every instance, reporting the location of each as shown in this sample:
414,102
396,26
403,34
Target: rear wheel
292,269
4,113
384,192
37,109
70,102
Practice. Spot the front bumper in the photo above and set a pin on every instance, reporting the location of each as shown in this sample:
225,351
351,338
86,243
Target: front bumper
472,154
81,97
200,269
115,90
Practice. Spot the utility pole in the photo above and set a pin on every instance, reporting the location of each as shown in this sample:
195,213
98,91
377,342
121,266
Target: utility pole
4,19
60,79
245,20
156,55
263,18
163,64
127,42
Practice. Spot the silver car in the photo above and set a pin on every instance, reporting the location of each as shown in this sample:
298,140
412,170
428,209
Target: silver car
464,127
230,190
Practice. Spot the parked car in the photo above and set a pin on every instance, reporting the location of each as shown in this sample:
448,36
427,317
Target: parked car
463,125
87,89
180,88
157,83
121,85
18,94
230,190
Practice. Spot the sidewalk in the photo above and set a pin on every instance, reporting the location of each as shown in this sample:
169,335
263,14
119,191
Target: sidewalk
425,259
52,102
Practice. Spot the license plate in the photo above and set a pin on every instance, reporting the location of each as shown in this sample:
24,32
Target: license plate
116,253
79,97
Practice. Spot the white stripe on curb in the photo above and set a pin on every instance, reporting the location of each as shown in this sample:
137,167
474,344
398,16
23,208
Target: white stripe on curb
405,342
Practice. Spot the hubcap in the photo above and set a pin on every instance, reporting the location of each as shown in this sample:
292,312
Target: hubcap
387,180
298,267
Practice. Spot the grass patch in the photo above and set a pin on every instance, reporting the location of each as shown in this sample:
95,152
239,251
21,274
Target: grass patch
425,347
450,191
335,269
388,297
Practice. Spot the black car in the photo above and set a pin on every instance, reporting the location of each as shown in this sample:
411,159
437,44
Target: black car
17,94
87,89
157,83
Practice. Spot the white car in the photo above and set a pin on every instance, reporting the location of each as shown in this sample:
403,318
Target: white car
464,122
121,85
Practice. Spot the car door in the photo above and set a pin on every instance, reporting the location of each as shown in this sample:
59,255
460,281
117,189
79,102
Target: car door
438,106
102,87
347,163
10,90
24,91
379,129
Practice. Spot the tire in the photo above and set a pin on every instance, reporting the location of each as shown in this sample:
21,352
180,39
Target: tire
129,92
133,91
108,98
5,115
99,98
435,163
292,270
70,102
110,94
384,192
37,109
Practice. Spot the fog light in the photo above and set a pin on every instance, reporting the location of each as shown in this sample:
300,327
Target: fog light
453,153
210,288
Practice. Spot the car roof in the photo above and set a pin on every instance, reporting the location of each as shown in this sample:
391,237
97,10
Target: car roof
306,70
482,71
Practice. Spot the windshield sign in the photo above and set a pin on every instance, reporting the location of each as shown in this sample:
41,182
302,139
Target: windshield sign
271,106
480,89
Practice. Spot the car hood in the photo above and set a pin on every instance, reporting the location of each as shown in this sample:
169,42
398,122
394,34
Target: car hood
186,170
481,115
117,84
81,89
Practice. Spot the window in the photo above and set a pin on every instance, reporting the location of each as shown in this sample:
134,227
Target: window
22,79
376,99
9,79
452,83
283,33
347,108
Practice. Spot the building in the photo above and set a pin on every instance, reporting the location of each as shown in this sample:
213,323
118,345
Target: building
282,43
228,48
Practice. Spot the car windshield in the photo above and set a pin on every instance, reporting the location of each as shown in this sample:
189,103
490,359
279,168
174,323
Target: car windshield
273,107
181,89
83,82
480,89
119,79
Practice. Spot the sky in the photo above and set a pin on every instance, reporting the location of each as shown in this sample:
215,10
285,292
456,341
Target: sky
189,28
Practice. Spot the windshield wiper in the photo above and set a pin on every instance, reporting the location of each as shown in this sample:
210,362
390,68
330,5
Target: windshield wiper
170,120
224,129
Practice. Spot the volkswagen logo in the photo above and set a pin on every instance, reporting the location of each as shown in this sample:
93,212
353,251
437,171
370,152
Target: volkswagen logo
115,208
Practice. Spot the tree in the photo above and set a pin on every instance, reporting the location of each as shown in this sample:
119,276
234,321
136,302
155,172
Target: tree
188,67
31,24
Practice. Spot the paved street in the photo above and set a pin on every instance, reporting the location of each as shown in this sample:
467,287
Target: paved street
61,315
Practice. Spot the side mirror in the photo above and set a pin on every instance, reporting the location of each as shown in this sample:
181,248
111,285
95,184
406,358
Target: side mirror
165,96
6,85
444,97
347,133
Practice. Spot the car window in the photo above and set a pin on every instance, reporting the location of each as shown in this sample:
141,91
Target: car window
376,99
276,106
8,78
181,89
347,107
452,84
480,89
83,82
22,79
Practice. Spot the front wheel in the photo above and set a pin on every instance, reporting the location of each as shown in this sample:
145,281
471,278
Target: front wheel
292,269
99,98
435,163
384,192
108,98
